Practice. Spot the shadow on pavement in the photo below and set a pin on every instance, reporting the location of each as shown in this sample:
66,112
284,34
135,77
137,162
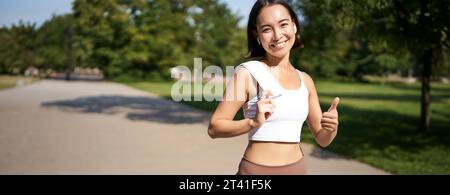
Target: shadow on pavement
324,154
135,108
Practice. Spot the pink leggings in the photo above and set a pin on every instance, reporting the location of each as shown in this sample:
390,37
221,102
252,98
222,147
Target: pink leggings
250,168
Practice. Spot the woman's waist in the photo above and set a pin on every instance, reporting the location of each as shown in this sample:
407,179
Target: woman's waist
282,131
273,153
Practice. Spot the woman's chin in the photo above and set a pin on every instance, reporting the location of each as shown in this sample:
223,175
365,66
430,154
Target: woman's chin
279,53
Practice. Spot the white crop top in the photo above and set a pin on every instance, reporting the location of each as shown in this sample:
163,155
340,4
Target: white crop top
291,110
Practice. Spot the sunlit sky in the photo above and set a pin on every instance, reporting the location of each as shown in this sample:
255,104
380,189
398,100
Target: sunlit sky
38,11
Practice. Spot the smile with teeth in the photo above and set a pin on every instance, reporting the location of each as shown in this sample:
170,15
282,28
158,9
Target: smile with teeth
279,44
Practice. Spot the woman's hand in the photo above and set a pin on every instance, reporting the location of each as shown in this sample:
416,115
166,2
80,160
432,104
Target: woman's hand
264,109
329,119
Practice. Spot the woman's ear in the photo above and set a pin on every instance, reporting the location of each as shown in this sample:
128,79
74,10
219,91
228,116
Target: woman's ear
295,28
256,37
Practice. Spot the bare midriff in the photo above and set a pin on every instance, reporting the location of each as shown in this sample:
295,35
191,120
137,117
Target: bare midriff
273,153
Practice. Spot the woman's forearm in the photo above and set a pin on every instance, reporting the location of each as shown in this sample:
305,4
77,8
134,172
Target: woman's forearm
324,137
229,128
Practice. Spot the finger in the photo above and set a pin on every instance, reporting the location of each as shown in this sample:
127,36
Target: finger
271,101
266,101
334,104
329,129
331,126
266,108
266,94
263,101
263,95
330,121
329,115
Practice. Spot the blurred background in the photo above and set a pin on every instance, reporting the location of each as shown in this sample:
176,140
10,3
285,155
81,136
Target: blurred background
388,60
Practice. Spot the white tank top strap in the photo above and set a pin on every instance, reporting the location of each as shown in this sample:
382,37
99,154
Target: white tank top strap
300,75
263,76
301,80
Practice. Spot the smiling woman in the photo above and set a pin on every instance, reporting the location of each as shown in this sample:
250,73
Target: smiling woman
273,124
271,29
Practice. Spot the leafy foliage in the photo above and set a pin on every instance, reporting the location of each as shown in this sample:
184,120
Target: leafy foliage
127,38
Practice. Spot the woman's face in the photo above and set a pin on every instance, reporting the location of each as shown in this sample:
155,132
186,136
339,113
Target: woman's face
275,30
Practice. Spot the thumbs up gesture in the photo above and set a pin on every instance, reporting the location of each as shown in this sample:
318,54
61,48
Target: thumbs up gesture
329,119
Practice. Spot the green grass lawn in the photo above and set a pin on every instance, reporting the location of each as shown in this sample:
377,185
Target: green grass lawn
378,124
11,81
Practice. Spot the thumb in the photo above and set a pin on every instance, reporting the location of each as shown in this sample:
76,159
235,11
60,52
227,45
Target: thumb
334,104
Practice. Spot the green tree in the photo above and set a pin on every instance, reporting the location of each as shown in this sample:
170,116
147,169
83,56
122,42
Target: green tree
218,38
419,27
98,27
5,39
18,48
332,47
53,43
145,38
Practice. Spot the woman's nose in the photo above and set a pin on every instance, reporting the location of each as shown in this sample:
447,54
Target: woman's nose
278,33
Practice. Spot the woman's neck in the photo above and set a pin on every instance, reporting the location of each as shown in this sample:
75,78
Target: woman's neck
277,62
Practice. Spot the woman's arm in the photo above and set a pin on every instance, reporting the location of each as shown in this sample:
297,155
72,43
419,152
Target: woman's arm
323,125
221,123
236,94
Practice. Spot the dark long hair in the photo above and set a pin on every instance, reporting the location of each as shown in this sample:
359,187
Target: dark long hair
254,49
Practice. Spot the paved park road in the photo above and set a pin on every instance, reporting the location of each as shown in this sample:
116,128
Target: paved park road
58,127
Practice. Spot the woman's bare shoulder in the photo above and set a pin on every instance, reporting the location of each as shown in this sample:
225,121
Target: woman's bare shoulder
242,74
306,77
241,71
309,82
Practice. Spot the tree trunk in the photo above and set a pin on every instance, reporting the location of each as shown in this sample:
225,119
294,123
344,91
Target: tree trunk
69,67
425,99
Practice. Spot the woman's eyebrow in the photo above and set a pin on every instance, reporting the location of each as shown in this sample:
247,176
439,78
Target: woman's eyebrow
264,25
282,20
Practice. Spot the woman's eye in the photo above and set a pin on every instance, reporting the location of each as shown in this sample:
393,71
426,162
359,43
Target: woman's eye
266,30
284,24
